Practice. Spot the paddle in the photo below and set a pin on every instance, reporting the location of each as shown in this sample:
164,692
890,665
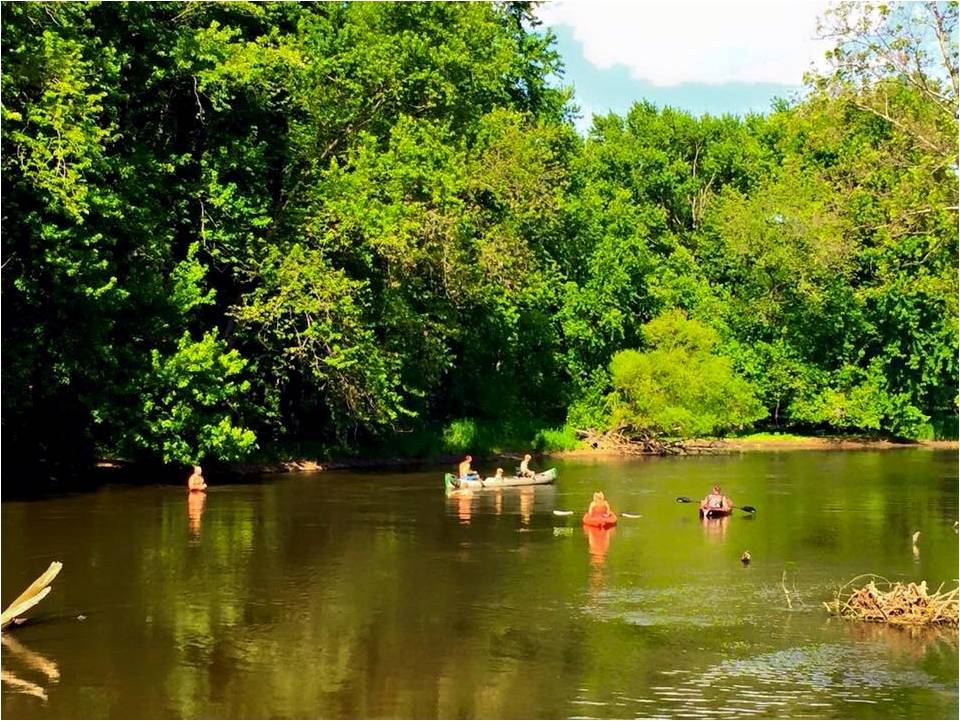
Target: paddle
622,515
687,499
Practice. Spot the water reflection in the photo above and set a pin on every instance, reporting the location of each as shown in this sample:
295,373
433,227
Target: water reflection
598,540
464,506
715,528
913,641
195,503
526,503
20,655
369,581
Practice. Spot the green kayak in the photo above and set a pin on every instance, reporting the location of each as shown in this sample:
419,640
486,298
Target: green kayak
452,483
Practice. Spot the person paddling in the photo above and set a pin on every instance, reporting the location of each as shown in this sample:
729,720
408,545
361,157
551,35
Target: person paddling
599,513
525,471
715,501
465,471
599,505
196,482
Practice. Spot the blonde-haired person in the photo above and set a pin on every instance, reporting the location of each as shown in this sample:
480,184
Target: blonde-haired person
196,482
525,471
599,505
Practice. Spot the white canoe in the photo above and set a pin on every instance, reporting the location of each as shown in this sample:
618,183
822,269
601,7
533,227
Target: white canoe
452,483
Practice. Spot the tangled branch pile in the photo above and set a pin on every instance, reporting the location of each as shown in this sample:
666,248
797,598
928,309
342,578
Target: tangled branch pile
895,603
628,441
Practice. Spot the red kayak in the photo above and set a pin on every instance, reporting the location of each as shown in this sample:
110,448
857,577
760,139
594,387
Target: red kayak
600,520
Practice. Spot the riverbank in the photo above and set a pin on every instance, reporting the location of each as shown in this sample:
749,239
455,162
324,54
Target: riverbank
125,472
759,443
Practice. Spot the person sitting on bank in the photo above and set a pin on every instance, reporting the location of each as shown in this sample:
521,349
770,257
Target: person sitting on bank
525,471
196,482
716,501
465,471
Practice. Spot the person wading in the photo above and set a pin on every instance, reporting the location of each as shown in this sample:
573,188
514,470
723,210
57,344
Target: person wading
196,482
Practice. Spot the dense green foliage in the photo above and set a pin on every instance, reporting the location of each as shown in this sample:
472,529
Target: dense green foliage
233,225
679,387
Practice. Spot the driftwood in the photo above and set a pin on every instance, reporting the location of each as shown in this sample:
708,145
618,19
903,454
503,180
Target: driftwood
629,441
35,593
895,603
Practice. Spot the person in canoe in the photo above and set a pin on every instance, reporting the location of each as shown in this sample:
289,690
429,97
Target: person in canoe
525,471
196,482
465,472
716,502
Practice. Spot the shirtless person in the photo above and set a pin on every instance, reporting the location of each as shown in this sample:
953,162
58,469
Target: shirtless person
525,471
464,470
196,482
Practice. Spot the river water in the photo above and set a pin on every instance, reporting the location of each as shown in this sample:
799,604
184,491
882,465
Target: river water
360,594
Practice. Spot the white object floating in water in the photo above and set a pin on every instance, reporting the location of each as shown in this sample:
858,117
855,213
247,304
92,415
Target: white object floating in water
563,513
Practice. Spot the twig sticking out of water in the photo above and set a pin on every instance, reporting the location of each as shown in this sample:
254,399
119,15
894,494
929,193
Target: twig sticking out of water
783,585
792,594
895,603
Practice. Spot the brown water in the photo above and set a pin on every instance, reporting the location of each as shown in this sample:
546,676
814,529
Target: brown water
372,595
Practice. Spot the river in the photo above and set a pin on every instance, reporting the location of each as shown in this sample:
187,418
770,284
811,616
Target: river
362,594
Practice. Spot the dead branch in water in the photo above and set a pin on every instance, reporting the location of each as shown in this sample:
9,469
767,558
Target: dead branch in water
34,593
629,441
895,603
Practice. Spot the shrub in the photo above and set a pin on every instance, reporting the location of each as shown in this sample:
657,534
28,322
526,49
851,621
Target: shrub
550,440
460,436
679,387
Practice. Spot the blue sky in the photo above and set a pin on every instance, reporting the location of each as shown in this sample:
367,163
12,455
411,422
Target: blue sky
600,91
723,57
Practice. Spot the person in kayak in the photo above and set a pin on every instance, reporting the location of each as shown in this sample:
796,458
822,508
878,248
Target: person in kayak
716,501
196,482
599,506
525,471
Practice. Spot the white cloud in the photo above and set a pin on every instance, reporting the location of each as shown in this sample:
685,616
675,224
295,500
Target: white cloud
669,43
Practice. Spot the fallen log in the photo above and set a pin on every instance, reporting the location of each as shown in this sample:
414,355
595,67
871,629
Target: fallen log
34,593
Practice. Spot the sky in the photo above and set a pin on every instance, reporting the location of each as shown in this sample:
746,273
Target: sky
719,57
